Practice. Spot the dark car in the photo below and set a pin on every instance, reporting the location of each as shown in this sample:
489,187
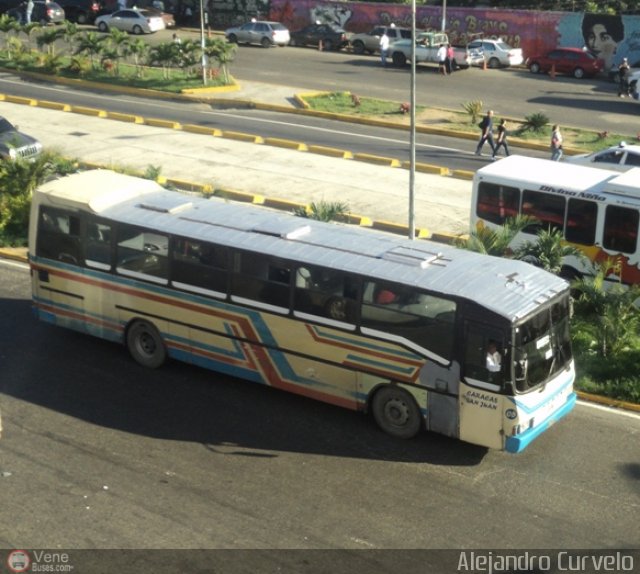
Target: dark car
43,12
332,37
572,61
16,145
81,11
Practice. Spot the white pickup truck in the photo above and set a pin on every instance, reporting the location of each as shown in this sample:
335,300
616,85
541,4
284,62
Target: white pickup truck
427,44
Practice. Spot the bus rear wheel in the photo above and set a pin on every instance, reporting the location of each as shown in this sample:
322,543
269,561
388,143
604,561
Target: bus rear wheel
145,345
396,412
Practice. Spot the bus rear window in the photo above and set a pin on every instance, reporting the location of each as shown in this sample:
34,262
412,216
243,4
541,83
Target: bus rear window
620,229
581,221
496,203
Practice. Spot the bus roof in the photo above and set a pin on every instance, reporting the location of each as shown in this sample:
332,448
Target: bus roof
535,171
512,289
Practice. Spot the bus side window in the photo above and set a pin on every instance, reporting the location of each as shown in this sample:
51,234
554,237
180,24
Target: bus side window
424,319
496,203
59,236
261,279
200,264
548,209
326,293
98,244
581,221
620,229
142,251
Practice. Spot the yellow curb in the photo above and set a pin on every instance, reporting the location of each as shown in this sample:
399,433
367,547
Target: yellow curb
88,111
20,100
239,136
15,253
399,229
211,90
158,123
448,238
287,144
427,168
131,118
614,403
234,195
330,151
353,219
378,160
202,130
283,204
190,186
54,106
462,174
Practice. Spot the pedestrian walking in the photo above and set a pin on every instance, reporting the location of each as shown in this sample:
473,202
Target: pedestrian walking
486,125
623,78
441,55
501,139
28,11
450,58
556,143
384,48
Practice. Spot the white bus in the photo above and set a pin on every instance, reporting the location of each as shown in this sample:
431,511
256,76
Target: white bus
357,318
597,210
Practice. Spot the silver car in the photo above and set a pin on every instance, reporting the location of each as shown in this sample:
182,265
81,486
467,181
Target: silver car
131,20
16,145
621,157
261,32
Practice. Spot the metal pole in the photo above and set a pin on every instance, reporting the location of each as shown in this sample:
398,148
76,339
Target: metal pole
444,16
412,111
204,57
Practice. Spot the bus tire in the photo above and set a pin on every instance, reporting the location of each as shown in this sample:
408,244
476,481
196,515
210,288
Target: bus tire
145,344
396,412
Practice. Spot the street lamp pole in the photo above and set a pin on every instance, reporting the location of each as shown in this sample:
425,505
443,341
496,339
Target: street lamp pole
444,16
412,112
204,57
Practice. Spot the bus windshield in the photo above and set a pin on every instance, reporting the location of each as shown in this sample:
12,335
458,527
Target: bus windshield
542,346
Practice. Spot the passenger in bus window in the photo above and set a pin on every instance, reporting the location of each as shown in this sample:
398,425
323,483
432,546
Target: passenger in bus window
385,297
494,358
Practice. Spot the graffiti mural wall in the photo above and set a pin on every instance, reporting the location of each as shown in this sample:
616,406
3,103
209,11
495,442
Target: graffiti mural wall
609,37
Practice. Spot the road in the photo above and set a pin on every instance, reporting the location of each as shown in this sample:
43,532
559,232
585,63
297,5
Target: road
100,453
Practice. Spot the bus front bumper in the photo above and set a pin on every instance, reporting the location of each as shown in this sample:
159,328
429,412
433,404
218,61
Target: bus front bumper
519,442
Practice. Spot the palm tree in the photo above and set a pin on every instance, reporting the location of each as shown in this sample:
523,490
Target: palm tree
188,54
323,211
222,52
164,54
90,43
548,251
8,25
496,241
70,33
607,311
48,38
120,41
139,49
28,29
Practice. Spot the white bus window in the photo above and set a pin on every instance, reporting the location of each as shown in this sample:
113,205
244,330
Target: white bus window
400,311
581,221
325,293
59,236
497,203
98,245
201,265
141,252
546,208
620,229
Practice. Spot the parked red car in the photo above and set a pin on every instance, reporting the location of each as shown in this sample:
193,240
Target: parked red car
572,61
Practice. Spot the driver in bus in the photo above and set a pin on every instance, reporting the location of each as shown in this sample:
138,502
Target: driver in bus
494,358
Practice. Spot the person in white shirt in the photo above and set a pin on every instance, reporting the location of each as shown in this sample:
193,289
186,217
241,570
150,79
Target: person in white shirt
441,55
494,358
384,48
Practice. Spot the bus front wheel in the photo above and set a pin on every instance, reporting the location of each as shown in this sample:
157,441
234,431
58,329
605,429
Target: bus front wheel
396,412
145,345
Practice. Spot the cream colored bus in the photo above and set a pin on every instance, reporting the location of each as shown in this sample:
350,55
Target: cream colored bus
421,335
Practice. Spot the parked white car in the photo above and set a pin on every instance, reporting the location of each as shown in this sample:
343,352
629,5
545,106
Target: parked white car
497,53
131,20
621,157
261,32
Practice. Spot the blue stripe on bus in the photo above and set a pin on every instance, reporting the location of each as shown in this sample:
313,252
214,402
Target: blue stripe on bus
530,410
519,442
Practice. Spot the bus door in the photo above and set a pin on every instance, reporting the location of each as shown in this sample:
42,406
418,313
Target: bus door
481,398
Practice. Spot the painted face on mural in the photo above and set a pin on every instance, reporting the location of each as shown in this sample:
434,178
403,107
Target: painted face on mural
600,42
602,33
